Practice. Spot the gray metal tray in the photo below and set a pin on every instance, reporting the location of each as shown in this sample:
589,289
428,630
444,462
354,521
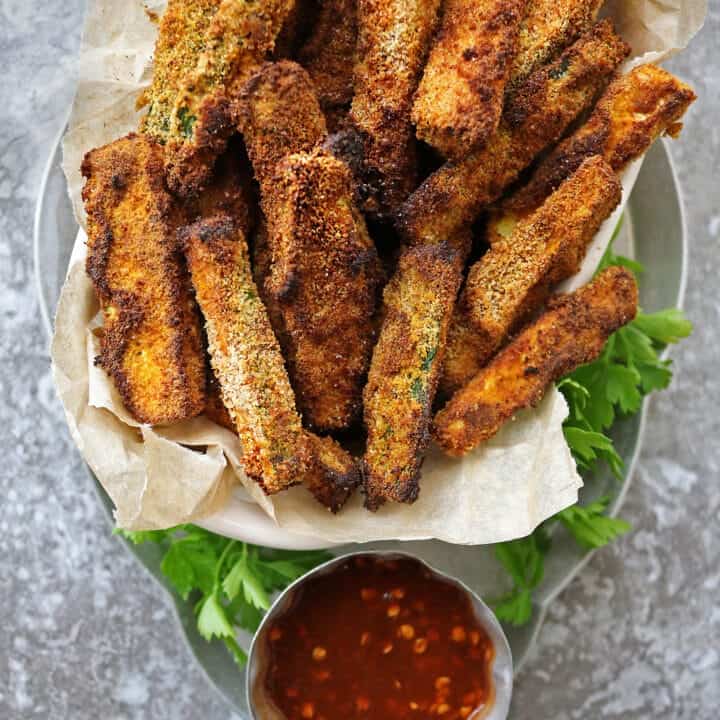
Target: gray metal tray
653,232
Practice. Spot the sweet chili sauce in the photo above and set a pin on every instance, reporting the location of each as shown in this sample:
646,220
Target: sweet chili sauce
378,638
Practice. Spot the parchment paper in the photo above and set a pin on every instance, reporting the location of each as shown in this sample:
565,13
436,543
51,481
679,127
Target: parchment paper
159,477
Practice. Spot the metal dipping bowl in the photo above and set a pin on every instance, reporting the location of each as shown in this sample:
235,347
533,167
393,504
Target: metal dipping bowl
261,707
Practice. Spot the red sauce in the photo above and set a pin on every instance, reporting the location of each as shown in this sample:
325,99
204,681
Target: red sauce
379,639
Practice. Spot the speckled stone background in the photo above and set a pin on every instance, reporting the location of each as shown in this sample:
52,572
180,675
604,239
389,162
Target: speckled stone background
84,632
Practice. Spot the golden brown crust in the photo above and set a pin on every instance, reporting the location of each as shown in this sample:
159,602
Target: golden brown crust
245,355
393,39
180,42
516,275
239,37
246,358
404,371
151,344
323,279
571,332
536,117
548,28
635,109
279,114
334,474
329,57
460,98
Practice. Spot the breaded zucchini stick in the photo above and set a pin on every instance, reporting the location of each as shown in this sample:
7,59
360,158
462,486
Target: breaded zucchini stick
334,473
515,276
393,40
635,110
329,57
180,42
279,114
548,28
246,358
323,278
240,36
151,344
536,117
460,98
405,370
571,332
245,355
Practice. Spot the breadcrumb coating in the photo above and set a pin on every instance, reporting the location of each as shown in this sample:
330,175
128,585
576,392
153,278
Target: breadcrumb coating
513,279
180,42
323,280
634,111
329,57
151,343
536,117
240,36
548,27
460,99
405,370
393,41
571,332
279,114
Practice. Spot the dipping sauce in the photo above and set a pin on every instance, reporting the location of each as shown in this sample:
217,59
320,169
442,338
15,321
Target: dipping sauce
378,638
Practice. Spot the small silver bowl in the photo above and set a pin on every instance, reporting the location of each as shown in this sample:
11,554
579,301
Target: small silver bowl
502,667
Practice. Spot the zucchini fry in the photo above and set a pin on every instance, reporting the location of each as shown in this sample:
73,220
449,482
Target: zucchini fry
536,117
151,344
633,112
393,40
329,57
246,358
279,114
323,280
571,332
515,276
405,370
180,42
548,28
241,34
460,98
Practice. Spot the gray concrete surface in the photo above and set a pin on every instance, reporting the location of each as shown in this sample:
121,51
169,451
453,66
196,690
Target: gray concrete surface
85,634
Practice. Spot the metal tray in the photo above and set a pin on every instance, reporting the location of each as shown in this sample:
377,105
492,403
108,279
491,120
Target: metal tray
653,232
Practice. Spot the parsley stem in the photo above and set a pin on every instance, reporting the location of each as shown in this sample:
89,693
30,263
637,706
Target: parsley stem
221,561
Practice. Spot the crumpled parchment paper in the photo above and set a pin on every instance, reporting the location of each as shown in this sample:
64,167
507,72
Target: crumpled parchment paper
159,477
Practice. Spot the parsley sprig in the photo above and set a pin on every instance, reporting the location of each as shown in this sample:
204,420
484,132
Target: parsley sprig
613,386
230,582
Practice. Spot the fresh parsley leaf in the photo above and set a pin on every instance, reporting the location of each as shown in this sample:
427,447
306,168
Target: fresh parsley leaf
590,526
212,619
524,560
664,327
230,583
241,577
588,446
515,608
